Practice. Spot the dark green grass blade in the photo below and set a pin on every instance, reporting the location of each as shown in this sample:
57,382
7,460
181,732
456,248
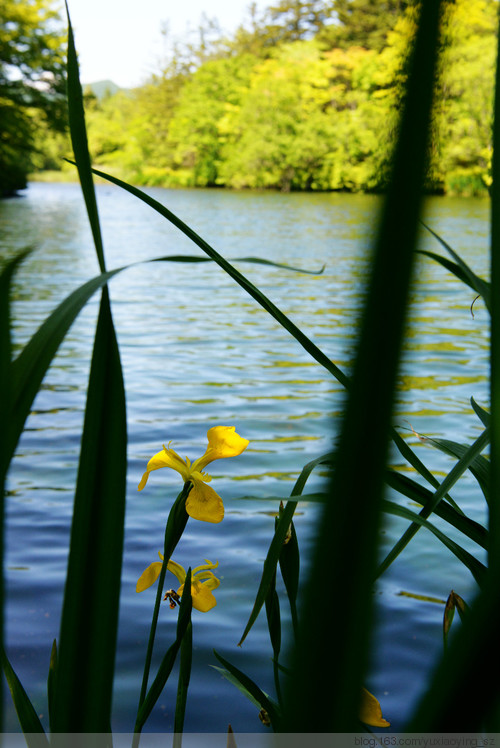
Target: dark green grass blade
6,383
494,519
28,718
413,460
89,621
51,683
461,270
80,145
274,618
476,568
481,413
266,303
183,621
249,688
464,694
414,491
465,691
5,415
183,684
30,367
253,260
479,467
346,544
458,469
270,565
276,546
289,561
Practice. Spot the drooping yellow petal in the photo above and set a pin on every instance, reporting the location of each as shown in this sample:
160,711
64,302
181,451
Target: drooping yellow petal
370,711
166,458
177,569
204,503
201,593
223,441
148,576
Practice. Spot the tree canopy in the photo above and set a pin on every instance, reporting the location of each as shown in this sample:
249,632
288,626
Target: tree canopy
31,81
304,96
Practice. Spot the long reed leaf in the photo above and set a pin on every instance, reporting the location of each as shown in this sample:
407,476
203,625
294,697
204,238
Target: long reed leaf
266,303
346,543
28,718
79,142
31,365
476,568
455,473
479,467
6,414
414,491
249,688
89,621
186,660
461,270
465,691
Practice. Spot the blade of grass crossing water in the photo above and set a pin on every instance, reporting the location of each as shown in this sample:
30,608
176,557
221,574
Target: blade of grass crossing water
347,537
28,718
30,367
495,339
455,473
5,417
79,142
186,660
90,611
266,303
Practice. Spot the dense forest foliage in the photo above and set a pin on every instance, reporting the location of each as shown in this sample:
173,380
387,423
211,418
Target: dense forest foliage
304,96
32,85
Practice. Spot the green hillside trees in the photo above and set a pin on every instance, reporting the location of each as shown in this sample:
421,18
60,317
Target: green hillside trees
31,84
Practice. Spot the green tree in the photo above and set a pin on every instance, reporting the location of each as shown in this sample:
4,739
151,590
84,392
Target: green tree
280,134
200,126
31,84
294,20
461,157
362,23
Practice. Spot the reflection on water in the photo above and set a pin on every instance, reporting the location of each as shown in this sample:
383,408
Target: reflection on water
197,352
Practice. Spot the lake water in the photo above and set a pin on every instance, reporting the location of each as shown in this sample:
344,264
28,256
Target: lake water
198,352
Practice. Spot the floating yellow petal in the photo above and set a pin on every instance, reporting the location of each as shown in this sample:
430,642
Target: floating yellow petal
203,502
370,711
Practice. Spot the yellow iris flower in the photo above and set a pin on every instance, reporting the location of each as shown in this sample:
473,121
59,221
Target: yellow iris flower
370,711
203,581
202,502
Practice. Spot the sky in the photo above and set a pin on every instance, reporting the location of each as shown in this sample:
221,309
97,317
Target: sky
121,41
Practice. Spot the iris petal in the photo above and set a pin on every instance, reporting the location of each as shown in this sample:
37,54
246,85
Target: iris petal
223,441
177,569
204,503
202,596
148,576
166,458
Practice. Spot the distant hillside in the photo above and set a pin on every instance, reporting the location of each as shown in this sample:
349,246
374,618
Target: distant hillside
102,89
